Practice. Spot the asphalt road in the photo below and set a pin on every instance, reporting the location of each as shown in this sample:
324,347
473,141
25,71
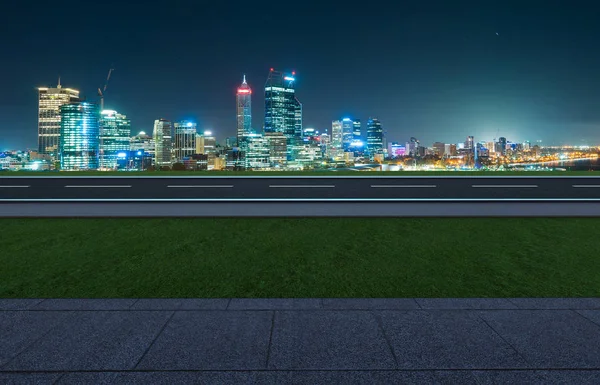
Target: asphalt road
290,189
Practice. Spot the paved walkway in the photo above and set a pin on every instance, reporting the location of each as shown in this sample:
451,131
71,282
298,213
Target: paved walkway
300,341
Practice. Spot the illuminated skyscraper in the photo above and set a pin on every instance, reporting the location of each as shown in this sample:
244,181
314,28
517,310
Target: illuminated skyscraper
374,137
244,110
163,142
347,133
185,140
49,102
143,142
115,137
256,151
283,110
356,129
277,148
79,136
337,137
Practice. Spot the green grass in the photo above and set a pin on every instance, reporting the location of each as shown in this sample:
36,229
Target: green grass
318,257
298,173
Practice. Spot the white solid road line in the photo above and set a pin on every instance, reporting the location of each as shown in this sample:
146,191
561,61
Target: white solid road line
504,186
200,186
402,186
586,185
14,186
301,186
97,186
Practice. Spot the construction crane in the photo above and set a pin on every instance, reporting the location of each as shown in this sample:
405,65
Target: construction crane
103,90
101,94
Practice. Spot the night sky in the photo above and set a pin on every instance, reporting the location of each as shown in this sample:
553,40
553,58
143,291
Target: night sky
436,70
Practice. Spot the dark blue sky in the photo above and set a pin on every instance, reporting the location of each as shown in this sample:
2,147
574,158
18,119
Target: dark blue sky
436,70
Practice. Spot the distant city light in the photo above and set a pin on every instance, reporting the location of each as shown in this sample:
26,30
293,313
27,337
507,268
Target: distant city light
243,91
190,124
122,155
207,133
142,133
139,153
347,120
289,78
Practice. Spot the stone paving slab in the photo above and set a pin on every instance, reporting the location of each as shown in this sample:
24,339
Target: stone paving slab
18,304
328,340
181,304
463,377
106,340
211,340
556,303
85,304
19,330
300,341
369,303
275,304
549,338
465,303
29,378
440,339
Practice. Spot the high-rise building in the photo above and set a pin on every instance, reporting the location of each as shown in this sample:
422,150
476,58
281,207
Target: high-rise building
501,146
256,152
185,140
356,129
209,148
337,139
374,137
244,110
439,148
277,143
163,141
49,102
283,110
469,143
115,138
395,149
347,133
79,136
143,142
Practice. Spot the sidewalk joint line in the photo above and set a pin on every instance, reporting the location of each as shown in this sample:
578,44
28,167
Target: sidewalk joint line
504,339
385,337
154,340
270,340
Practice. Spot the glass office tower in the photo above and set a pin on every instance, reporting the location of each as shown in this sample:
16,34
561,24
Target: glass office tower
374,137
163,142
185,139
283,110
79,136
115,137
49,102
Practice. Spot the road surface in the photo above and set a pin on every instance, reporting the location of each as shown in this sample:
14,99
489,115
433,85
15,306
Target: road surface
293,189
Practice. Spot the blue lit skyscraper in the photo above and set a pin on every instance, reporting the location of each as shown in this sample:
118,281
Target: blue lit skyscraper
115,136
283,110
244,110
356,129
347,133
374,137
79,139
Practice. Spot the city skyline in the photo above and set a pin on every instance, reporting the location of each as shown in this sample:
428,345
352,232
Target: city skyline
437,71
